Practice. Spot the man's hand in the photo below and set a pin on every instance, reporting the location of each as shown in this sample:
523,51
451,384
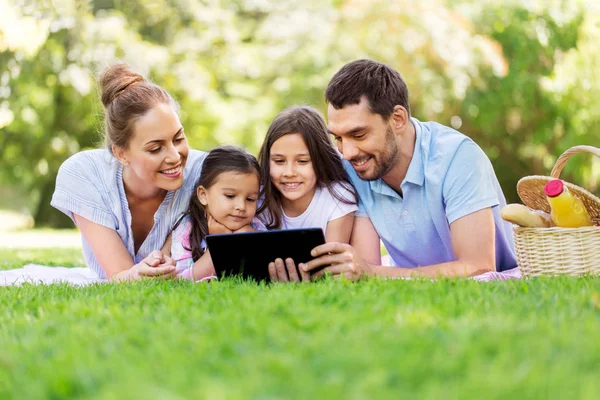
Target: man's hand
286,272
337,259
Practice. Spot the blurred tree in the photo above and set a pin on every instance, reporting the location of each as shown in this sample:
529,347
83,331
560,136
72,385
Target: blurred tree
517,77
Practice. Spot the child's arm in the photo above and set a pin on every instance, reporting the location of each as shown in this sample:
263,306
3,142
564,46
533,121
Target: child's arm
203,267
340,229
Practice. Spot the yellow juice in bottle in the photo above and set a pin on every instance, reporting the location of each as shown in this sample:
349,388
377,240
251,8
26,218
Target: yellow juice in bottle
568,210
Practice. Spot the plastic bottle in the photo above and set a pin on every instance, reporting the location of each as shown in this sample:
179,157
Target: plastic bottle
568,210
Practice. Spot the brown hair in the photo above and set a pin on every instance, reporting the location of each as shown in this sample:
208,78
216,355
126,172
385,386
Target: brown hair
382,85
221,159
325,159
127,96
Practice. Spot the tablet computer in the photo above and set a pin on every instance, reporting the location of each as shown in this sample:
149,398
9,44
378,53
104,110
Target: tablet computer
248,254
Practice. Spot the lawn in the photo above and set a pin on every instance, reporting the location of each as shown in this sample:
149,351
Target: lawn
391,339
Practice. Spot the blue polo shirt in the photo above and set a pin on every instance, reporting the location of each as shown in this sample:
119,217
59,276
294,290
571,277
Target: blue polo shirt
448,177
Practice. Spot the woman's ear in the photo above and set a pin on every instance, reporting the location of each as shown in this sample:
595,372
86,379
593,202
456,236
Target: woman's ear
119,154
202,195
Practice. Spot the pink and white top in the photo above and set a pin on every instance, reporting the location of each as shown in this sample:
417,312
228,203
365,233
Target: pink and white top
181,249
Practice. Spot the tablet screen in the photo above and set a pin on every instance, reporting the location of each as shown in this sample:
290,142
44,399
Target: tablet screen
248,254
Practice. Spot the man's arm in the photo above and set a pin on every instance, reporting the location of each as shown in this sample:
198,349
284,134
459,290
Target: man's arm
365,240
473,242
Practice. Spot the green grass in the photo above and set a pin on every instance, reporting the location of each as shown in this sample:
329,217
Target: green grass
391,339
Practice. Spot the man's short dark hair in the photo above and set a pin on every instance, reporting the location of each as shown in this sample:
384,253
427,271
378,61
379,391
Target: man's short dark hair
382,85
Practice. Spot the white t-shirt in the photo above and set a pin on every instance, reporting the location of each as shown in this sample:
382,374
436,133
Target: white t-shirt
323,207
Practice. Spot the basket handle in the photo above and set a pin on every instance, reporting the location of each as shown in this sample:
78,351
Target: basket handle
564,157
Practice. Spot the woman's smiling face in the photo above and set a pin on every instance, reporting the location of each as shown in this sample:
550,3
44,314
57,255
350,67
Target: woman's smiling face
158,149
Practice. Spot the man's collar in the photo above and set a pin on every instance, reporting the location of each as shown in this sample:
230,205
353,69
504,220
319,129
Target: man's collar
415,172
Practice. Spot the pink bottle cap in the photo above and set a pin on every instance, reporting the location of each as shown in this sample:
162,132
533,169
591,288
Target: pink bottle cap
554,188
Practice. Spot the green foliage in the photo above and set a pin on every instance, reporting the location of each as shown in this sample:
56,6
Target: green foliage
519,77
372,339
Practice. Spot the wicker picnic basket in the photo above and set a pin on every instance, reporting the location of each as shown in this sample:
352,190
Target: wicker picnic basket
558,251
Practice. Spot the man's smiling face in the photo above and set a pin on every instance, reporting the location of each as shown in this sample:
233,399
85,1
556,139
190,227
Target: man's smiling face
364,138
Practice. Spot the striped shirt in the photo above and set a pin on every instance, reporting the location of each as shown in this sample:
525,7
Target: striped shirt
90,184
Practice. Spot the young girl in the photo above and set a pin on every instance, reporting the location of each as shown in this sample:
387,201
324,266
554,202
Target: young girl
224,202
304,184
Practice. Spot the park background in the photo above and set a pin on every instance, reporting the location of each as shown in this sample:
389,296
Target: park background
519,77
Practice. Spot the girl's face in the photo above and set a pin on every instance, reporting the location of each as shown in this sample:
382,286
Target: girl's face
231,200
292,170
157,151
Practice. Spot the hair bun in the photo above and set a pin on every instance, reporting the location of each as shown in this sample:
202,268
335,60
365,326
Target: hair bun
115,79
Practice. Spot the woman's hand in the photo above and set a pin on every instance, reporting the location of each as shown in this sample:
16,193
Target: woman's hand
156,265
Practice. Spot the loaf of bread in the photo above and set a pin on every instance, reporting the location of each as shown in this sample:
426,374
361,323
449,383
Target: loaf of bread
526,217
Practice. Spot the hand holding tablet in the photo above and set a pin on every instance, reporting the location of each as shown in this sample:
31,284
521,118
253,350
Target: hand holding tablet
249,254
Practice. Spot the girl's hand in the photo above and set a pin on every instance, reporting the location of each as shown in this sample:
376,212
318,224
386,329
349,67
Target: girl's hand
245,228
215,227
287,272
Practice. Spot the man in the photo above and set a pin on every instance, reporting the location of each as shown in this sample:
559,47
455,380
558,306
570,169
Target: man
429,191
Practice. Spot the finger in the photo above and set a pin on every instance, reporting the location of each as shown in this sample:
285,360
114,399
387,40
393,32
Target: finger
332,270
172,275
330,247
151,260
305,276
326,260
345,275
272,272
291,270
159,255
168,261
157,271
281,272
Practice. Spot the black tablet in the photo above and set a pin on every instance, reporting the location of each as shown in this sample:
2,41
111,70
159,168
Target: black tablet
248,254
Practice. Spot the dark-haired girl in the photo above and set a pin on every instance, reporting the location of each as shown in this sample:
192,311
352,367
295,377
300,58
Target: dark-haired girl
224,202
304,184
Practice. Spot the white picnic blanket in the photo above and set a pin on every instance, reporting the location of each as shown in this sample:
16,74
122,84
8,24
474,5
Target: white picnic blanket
45,275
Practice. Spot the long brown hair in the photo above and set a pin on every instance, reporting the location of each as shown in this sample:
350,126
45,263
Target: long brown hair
127,96
219,160
325,159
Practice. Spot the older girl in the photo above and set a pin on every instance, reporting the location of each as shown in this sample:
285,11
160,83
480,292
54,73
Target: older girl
304,183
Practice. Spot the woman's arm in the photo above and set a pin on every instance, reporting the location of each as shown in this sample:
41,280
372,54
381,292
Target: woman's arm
166,249
340,229
365,240
113,257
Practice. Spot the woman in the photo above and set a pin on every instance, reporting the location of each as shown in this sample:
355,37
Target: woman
125,199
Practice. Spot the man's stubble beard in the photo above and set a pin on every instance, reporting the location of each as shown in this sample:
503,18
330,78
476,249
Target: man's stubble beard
387,158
